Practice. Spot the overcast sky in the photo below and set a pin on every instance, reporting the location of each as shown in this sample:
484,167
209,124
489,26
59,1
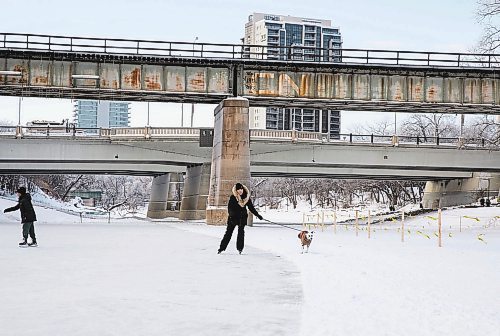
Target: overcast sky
425,25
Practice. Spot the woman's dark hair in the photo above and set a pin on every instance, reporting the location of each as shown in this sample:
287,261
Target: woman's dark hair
239,186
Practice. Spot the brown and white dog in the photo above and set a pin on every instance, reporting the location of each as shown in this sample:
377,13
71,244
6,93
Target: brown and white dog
306,238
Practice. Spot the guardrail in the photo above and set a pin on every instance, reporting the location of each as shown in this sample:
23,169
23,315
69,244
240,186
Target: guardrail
294,53
185,133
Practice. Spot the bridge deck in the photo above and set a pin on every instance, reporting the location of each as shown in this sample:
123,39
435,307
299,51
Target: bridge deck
272,153
136,70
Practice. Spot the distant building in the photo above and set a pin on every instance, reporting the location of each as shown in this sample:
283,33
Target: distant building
89,197
300,119
308,40
105,114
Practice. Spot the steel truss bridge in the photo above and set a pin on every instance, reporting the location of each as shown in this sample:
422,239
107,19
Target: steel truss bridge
165,71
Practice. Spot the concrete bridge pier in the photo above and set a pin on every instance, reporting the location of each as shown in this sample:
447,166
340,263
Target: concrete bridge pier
230,156
158,199
438,194
174,197
195,193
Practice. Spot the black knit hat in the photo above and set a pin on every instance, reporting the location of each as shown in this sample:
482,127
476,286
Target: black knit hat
21,190
239,186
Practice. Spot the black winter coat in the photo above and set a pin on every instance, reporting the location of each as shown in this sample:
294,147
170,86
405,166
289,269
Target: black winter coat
239,213
27,211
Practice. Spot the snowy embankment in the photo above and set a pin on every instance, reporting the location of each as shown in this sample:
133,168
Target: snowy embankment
139,278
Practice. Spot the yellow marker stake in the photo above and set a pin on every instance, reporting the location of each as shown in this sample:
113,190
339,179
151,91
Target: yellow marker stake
357,228
439,227
369,222
403,227
335,222
322,221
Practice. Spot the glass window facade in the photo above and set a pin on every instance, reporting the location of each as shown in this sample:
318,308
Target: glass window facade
309,120
95,114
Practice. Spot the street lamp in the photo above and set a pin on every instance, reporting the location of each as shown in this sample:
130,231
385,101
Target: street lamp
195,39
15,74
395,124
148,114
192,104
192,114
462,122
182,114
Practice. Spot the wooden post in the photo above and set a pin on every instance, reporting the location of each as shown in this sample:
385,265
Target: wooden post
369,223
357,223
439,228
335,222
402,226
322,221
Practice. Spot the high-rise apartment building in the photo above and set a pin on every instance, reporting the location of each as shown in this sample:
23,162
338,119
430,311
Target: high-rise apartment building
283,37
300,119
105,114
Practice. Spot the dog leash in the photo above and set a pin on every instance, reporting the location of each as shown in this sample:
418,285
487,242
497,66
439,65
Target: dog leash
289,227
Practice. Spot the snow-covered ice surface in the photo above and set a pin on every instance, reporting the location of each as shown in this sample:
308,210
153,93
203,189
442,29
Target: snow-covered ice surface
135,277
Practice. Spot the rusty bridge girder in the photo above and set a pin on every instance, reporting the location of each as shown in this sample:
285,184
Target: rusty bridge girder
366,87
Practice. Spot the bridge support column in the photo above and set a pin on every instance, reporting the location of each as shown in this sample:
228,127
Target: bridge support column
174,195
230,156
159,194
439,194
195,193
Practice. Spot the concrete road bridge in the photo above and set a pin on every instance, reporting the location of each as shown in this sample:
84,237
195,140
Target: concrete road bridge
158,150
168,152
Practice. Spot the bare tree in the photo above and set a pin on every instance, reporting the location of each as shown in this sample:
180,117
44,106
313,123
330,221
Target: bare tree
485,127
430,125
488,15
384,127
290,189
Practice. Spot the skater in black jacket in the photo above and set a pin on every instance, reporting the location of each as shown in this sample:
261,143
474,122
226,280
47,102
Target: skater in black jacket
28,216
238,214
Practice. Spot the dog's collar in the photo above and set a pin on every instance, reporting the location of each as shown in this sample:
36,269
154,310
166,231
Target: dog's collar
244,201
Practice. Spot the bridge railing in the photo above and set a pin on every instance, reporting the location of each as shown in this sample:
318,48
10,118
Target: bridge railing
293,53
8,131
287,135
432,141
154,132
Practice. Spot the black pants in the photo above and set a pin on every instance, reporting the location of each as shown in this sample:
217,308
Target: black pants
240,240
29,228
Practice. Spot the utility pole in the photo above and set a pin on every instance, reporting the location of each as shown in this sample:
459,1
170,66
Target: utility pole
182,114
195,39
395,124
192,113
148,114
462,121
